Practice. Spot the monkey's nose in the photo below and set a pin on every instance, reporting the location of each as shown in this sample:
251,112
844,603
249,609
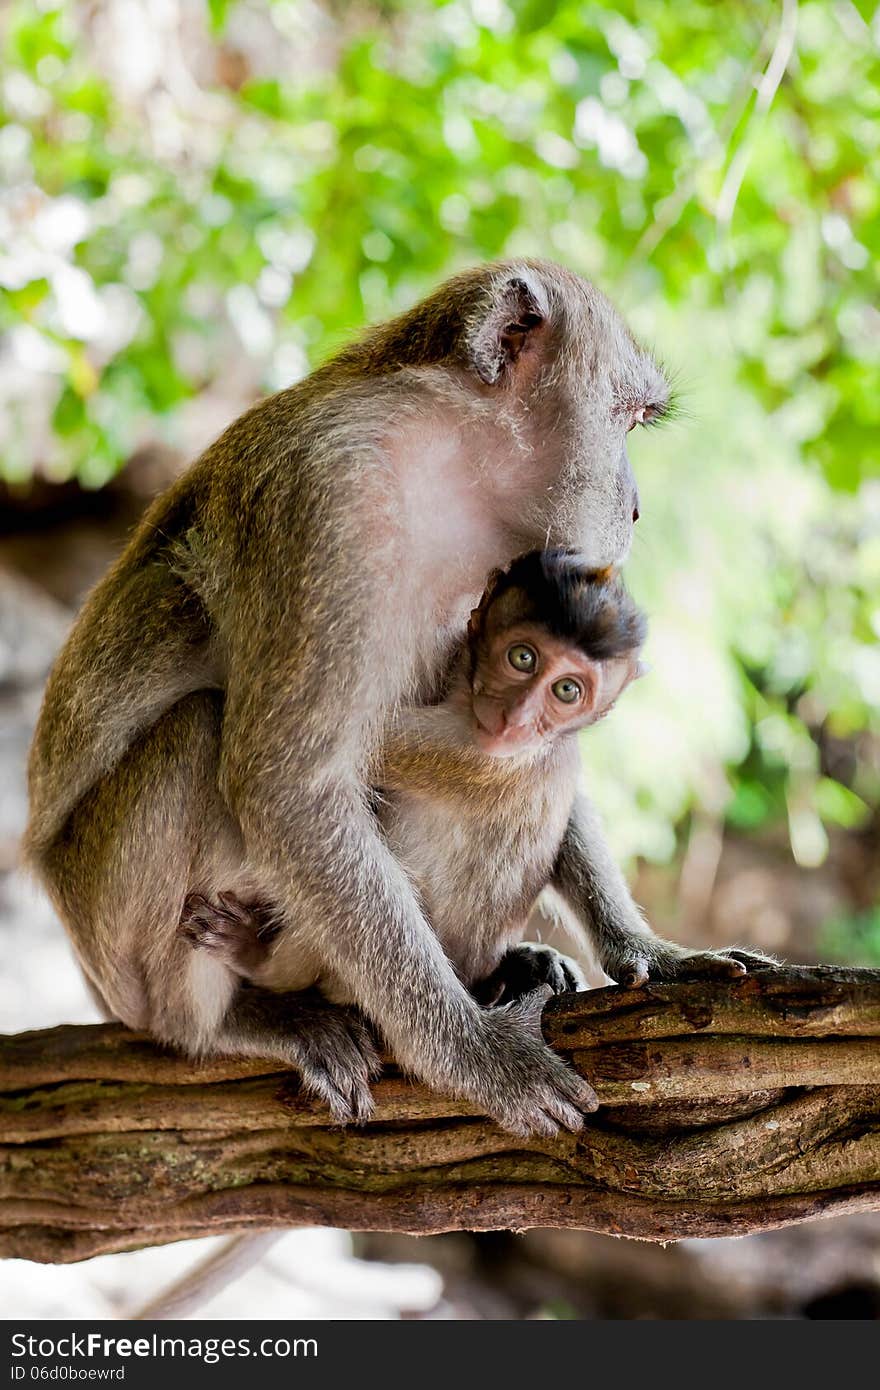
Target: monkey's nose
635,515
517,717
489,714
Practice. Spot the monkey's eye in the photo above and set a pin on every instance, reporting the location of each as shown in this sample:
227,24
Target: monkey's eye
645,415
567,690
522,658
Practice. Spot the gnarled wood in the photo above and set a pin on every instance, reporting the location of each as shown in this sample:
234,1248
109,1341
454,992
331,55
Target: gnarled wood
726,1108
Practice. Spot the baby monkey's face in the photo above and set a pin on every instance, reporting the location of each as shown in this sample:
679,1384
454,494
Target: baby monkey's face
531,687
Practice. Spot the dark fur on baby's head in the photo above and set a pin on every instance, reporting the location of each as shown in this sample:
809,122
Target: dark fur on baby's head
552,587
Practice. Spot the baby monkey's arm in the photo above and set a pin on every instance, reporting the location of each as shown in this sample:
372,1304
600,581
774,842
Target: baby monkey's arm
589,880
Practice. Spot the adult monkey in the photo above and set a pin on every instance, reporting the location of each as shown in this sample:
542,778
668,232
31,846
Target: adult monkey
315,566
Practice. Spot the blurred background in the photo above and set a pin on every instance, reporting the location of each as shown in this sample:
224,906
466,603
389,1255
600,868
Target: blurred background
200,199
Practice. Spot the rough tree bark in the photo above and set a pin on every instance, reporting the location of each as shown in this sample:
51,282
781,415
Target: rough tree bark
725,1109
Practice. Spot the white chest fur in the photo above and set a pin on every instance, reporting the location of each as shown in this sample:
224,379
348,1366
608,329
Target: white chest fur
478,840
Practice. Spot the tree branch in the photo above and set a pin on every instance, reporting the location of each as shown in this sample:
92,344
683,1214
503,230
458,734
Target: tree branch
726,1108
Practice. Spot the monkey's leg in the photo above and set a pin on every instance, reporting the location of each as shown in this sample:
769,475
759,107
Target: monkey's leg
527,967
144,840
588,878
332,1045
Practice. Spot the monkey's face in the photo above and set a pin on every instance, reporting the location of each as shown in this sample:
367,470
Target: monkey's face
590,385
530,688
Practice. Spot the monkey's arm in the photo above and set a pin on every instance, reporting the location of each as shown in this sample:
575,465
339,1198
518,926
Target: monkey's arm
347,900
588,878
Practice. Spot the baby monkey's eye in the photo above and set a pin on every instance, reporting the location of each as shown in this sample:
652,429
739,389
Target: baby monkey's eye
522,658
567,690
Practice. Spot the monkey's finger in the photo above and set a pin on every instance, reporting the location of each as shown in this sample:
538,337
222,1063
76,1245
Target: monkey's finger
568,1104
555,975
569,1088
367,1047
336,1069
347,1094
754,960
342,1046
572,978
319,1083
634,973
374,1066
351,1075
567,1116
710,966
547,1107
528,1123
547,1113
351,1078
362,1104
583,1095
352,1101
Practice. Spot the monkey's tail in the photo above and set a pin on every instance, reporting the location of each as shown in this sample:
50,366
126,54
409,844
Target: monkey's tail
210,1276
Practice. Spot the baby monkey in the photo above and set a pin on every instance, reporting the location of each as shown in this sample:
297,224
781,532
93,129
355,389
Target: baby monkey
474,792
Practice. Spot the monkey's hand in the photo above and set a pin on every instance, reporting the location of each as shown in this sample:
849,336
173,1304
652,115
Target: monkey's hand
641,958
524,968
511,1073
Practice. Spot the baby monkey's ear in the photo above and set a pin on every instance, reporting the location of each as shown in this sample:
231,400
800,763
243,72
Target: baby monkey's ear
478,614
612,678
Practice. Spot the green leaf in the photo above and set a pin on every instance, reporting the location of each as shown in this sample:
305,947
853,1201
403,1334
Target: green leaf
836,803
218,11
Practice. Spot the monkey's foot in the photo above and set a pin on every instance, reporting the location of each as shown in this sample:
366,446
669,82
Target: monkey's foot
337,1057
330,1045
238,933
526,967
671,962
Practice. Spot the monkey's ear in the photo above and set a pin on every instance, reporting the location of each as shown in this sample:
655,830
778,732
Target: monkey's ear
475,622
612,679
506,329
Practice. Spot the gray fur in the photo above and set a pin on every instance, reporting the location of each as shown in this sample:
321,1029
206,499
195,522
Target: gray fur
210,723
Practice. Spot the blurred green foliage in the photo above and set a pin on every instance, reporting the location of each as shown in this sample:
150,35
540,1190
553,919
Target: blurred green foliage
200,197
853,937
